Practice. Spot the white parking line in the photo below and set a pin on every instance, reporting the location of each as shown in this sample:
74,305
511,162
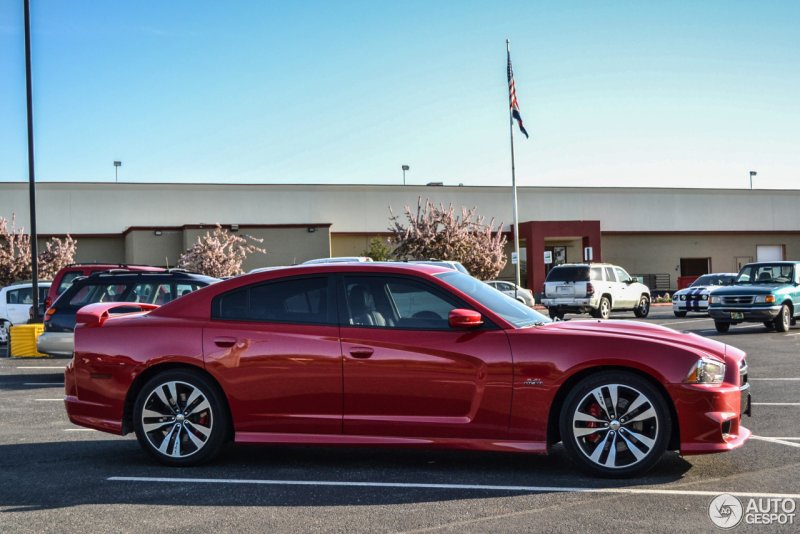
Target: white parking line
40,367
54,384
682,322
795,334
780,438
49,400
768,379
776,440
478,487
80,430
776,404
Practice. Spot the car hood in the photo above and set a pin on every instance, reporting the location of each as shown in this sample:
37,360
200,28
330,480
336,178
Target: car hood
694,289
637,330
754,289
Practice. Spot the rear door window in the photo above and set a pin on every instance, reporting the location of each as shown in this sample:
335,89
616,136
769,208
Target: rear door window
297,301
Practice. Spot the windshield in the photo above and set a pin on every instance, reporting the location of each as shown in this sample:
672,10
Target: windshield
766,273
713,280
506,307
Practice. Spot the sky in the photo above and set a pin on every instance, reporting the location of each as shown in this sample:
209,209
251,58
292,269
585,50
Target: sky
614,94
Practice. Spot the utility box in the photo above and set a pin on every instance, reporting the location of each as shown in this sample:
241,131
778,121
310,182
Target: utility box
22,342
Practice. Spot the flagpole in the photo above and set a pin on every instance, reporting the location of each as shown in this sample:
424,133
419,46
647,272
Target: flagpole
514,187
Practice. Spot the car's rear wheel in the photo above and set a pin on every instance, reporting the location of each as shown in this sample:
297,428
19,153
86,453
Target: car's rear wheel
643,309
722,326
603,310
680,314
784,319
555,314
615,424
180,418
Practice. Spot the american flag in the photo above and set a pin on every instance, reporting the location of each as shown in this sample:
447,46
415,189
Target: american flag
512,98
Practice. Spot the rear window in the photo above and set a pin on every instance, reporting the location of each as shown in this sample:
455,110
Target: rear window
569,274
67,279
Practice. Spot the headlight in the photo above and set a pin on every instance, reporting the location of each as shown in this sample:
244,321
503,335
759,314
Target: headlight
704,297
713,300
683,297
706,371
764,299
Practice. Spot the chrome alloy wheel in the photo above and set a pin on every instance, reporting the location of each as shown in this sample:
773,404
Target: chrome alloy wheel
615,426
177,419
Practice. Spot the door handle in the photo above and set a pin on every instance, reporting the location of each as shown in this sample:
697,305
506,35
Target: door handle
224,341
361,352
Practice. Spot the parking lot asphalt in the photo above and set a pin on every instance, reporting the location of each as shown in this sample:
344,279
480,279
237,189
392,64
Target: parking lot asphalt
57,477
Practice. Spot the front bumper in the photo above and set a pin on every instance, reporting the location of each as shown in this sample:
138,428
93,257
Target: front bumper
710,416
700,306
56,343
755,314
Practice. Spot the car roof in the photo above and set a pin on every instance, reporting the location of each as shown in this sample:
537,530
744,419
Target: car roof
17,285
185,306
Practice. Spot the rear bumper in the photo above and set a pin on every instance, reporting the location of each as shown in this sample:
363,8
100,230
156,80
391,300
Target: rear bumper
754,314
56,343
571,304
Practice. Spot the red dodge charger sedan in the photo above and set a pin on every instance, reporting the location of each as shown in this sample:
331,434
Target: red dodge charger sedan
398,355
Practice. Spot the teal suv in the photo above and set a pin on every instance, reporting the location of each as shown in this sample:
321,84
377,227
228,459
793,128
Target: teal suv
767,292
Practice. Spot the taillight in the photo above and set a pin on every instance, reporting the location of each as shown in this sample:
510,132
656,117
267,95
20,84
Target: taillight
47,302
589,289
49,313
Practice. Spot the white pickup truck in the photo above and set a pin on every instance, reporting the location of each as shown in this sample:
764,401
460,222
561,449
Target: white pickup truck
596,288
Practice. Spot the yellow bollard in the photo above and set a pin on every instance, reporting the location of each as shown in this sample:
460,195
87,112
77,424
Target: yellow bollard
22,342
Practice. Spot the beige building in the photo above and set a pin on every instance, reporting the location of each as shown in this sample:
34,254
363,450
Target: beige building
659,234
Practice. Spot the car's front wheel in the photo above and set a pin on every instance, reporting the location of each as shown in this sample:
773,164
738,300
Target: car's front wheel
643,309
180,418
679,314
615,424
722,326
784,319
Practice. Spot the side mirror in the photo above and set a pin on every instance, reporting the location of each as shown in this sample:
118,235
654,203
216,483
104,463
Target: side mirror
461,318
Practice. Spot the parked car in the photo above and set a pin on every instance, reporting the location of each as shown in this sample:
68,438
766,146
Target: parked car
339,259
596,288
66,275
15,304
400,355
766,292
118,285
695,297
455,265
514,291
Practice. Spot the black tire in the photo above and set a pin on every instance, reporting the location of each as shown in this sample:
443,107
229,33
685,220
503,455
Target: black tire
603,310
680,314
202,425
555,313
637,444
721,326
643,308
769,325
784,319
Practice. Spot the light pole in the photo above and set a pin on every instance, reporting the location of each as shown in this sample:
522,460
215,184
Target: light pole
31,171
405,168
117,165
752,173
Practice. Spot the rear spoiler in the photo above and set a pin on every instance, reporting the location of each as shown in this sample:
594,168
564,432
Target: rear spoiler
94,315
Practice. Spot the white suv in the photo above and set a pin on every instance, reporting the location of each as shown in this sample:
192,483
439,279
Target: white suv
15,305
596,288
